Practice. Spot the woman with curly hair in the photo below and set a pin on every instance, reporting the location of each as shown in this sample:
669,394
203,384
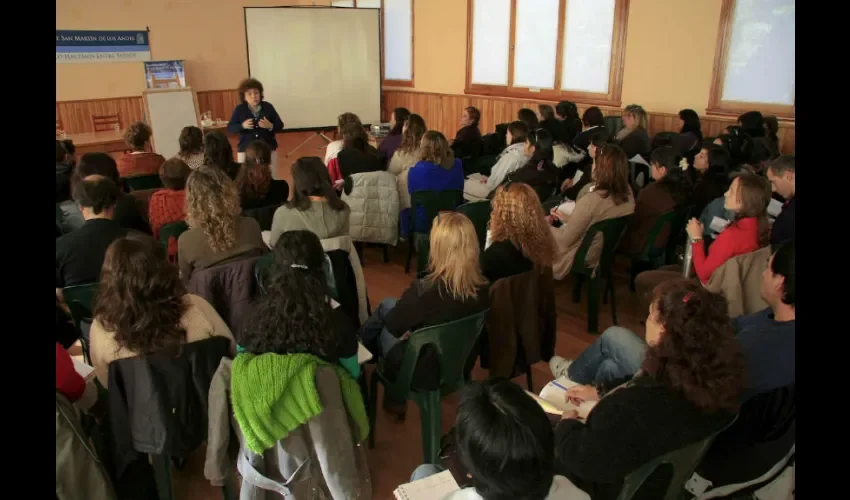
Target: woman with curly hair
436,170
191,143
138,161
687,388
519,236
216,231
295,313
257,188
255,119
142,306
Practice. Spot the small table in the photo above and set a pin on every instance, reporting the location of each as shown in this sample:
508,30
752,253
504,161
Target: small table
110,141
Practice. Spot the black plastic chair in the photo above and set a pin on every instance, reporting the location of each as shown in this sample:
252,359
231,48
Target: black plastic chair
171,230
654,253
433,202
479,213
80,300
142,182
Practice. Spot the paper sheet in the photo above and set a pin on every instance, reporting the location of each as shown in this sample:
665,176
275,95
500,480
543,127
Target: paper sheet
477,177
774,207
363,354
553,399
86,371
429,488
567,207
718,224
577,176
638,159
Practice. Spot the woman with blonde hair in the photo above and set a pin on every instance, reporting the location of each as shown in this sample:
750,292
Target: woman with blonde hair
217,232
634,138
453,289
519,237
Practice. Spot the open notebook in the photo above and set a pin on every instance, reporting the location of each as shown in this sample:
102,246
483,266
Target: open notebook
430,488
553,398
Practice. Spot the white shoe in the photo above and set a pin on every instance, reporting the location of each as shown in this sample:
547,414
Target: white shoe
559,366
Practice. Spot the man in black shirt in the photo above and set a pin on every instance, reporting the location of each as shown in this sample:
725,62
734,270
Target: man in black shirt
781,175
79,254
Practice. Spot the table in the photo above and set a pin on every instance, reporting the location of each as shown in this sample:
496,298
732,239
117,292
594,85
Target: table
110,141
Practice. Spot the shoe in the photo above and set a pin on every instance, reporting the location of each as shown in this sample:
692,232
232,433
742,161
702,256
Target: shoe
559,366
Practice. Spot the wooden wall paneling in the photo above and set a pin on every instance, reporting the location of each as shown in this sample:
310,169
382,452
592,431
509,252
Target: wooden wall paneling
219,102
76,116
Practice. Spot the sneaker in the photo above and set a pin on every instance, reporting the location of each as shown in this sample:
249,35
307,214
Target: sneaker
559,366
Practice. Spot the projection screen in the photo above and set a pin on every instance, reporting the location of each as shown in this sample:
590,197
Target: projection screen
315,63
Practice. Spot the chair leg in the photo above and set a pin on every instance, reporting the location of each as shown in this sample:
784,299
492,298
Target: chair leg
430,420
373,408
528,382
162,474
579,280
386,253
593,296
358,246
409,253
609,285
228,491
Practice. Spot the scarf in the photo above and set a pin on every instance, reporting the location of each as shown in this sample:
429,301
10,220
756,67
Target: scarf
273,394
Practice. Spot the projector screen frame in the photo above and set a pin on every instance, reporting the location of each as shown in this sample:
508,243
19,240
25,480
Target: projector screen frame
380,57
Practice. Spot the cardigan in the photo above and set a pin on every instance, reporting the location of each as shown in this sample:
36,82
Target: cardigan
242,112
737,239
319,218
194,251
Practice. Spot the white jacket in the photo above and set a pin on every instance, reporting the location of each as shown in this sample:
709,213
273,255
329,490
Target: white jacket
565,154
374,208
332,150
400,165
511,160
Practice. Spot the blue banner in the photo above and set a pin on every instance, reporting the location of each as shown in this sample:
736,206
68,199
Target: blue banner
76,46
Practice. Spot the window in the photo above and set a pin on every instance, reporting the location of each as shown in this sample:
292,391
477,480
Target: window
547,49
755,59
397,37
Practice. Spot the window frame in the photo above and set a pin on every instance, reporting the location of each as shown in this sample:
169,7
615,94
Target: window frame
716,105
615,73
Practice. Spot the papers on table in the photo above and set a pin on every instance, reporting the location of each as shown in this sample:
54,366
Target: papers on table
428,488
553,398
363,354
774,207
718,224
567,207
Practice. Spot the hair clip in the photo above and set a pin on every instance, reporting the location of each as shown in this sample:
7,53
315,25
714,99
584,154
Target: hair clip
299,266
687,297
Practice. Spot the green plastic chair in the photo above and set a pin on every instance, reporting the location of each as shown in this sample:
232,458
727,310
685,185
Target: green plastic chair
172,229
479,213
483,165
80,300
142,182
453,342
612,231
434,202
677,233
654,253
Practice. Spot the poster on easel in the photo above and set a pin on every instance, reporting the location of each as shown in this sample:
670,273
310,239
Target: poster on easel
165,74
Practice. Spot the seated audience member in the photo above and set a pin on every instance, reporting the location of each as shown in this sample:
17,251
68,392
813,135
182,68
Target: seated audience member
717,208
355,157
633,137
539,172
467,141
138,161
610,197
572,189
79,254
510,160
71,149
738,144
71,217
142,307
169,204
216,231
191,143
257,188
219,153
505,440
747,197
528,117
519,236
690,132
126,211
393,139
771,127
548,122
669,191
781,174
335,147
296,298
594,123
710,176
686,390
406,156
570,122
436,170
71,384
453,289
752,123
315,205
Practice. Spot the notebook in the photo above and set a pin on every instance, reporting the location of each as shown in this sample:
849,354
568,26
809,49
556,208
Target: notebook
553,398
429,488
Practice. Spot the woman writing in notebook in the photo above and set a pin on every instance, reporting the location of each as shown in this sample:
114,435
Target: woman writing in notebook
255,119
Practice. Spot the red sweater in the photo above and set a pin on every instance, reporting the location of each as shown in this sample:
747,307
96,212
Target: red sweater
737,239
68,381
167,205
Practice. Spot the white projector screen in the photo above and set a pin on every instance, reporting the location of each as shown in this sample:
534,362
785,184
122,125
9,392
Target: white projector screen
316,63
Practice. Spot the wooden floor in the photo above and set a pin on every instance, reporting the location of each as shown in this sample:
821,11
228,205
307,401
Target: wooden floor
398,448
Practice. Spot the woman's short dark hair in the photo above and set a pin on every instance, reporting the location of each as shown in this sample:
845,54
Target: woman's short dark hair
519,132
353,136
546,111
253,181
310,178
697,355
191,140
753,123
141,297
218,151
250,84
593,117
293,316
174,173
60,152
542,141
505,441
690,123
675,181
347,117
784,264
528,117
97,163
611,174
400,115
96,192
474,114
69,146
137,135
567,109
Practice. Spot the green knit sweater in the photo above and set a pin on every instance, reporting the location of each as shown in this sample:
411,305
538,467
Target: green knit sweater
273,394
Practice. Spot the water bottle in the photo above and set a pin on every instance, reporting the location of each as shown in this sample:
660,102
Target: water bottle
688,259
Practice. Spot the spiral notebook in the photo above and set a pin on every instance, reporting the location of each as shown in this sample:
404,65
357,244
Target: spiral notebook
429,488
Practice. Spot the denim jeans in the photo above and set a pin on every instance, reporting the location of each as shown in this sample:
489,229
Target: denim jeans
374,334
426,470
617,354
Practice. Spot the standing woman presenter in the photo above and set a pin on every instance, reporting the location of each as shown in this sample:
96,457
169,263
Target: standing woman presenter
255,119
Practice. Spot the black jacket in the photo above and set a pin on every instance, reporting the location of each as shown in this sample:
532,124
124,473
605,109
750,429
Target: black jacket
158,402
637,143
242,112
353,161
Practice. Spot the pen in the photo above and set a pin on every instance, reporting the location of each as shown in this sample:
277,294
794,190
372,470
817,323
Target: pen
556,384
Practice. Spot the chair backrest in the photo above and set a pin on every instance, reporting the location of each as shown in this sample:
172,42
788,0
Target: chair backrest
654,247
172,229
80,300
479,213
263,215
612,231
433,202
104,123
141,182
677,231
453,342
614,124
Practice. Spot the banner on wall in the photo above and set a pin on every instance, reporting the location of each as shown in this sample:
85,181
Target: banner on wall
165,74
78,46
